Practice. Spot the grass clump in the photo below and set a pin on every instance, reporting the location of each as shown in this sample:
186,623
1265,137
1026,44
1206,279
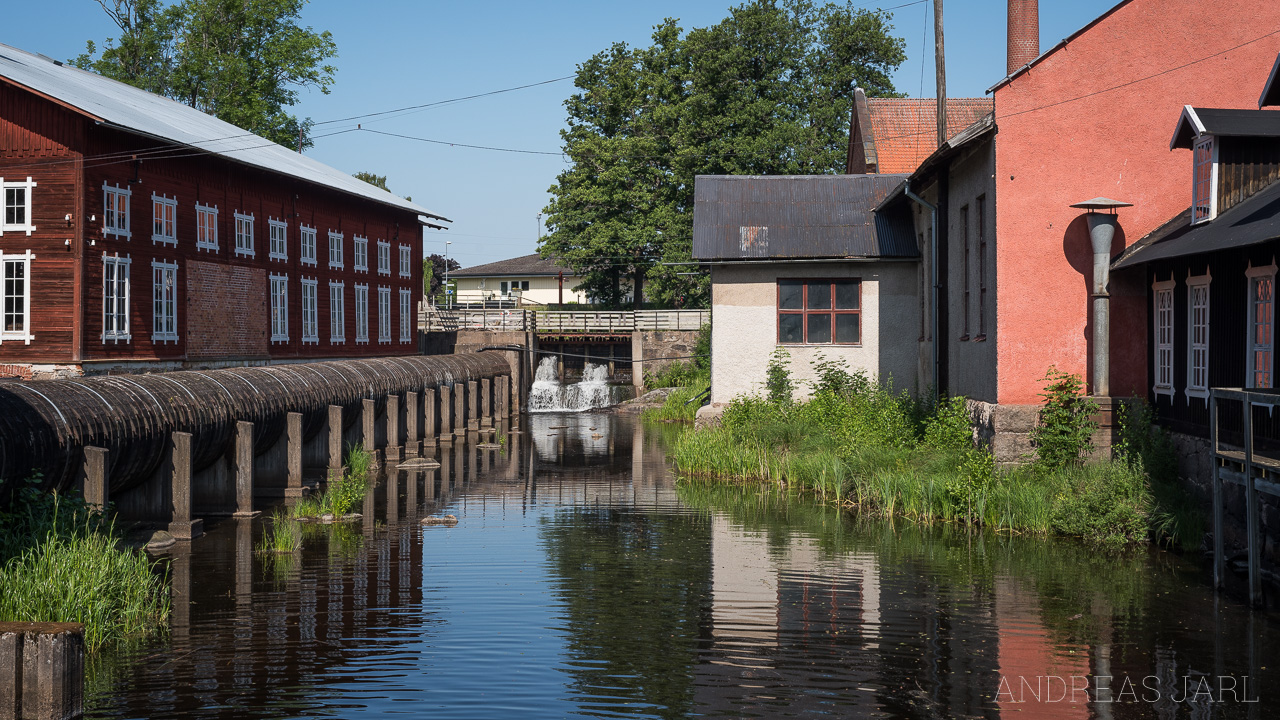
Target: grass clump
62,562
284,535
858,442
344,492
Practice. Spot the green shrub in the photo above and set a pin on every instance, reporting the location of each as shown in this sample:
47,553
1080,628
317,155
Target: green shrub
679,406
1063,435
778,385
1103,502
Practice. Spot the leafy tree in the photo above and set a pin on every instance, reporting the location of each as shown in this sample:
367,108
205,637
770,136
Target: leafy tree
243,61
375,180
433,267
766,91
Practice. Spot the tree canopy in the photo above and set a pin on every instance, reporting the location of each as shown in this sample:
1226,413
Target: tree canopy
767,91
242,61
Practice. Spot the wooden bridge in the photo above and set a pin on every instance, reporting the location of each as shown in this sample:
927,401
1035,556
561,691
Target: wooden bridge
561,322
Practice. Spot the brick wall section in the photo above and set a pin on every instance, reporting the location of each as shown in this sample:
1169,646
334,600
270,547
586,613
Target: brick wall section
227,311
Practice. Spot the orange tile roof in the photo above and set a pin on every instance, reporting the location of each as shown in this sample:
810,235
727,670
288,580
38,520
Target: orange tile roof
905,130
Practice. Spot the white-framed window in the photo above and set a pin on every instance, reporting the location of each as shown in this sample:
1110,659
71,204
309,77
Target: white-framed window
1204,184
384,257
1262,321
16,271
1162,313
279,308
1198,336
164,224
15,214
362,313
384,314
164,301
307,251
406,315
361,253
206,227
337,315
115,298
244,234
335,249
310,312
279,240
405,260
115,211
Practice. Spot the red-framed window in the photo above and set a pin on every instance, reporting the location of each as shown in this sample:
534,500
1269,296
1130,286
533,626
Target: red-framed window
820,312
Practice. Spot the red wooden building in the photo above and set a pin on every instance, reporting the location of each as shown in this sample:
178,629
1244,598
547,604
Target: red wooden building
141,234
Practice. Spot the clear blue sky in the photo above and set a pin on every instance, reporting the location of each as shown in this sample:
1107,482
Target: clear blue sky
394,53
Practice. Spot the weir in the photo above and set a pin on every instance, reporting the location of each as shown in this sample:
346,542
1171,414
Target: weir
594,390
168,446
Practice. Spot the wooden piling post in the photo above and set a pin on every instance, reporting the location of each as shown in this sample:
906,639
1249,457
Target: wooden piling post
1251,508
411,418
335,437
367,425
41,670
182,526
446,414
393,428
293,426
95,485
1219,545
244,469
473,420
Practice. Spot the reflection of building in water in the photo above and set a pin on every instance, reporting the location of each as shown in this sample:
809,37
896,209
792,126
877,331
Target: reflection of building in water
1036,676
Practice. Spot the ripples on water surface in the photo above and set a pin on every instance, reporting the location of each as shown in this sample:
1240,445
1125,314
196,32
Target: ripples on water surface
582,581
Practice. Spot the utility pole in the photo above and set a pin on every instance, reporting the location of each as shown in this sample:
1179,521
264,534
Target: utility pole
940,60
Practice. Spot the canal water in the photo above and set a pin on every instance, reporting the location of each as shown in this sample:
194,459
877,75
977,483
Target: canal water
583,580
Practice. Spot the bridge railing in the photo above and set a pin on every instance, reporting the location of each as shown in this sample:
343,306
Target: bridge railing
562,321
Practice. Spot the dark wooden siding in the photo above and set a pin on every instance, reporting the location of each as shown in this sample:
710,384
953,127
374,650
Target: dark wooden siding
37,138
1228,339
1245,166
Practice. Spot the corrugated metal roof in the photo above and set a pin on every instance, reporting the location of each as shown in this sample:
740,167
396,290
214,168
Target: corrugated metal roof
795,216
524,265
134,110
1254,221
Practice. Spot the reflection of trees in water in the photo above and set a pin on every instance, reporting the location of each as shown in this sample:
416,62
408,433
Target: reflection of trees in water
636,588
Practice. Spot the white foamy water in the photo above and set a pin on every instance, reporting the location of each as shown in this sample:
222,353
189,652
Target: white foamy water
549,395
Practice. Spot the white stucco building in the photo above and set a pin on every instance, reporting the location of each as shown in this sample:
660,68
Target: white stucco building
526,280
803,263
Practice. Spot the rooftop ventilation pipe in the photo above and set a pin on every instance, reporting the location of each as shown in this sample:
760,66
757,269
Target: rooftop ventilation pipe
1024,33
1102,231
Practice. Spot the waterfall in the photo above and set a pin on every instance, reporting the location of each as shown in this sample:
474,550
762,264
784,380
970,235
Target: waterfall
548,395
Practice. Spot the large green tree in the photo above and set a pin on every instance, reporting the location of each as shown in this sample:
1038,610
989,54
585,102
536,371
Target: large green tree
766,91
243,61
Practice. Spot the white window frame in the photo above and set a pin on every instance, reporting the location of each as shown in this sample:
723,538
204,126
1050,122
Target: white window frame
384,258
360,253
1162,325
1196,159
310,311
384,314
162,205
1194,285
25,259
406,257
29,186
307,245
335,243
279,291
120,327
362,313
206,227
113,198
406,315
164,325
337,314
277,239
244,241
1252,347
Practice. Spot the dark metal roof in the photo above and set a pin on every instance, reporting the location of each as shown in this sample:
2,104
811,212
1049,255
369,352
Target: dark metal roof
524,266
1271,91
743,217
1254,221
1223,122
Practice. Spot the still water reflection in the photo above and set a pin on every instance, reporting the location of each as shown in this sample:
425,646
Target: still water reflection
582,580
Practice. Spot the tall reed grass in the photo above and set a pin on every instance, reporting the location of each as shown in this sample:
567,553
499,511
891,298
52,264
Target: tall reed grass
344,492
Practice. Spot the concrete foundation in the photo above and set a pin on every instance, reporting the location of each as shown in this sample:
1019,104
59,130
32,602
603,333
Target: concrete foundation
41,671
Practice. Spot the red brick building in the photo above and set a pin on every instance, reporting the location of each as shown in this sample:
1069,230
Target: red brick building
141,234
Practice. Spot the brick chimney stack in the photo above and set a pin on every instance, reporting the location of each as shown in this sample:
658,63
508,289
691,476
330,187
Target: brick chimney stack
1024,33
